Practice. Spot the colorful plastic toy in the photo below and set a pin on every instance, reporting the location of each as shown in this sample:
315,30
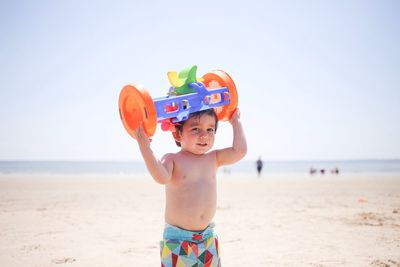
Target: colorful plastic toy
188,94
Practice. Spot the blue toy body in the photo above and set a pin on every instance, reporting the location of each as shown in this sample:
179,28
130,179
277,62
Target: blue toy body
178,108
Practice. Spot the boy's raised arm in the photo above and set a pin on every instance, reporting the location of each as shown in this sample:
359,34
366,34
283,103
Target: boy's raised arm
238,150
160,170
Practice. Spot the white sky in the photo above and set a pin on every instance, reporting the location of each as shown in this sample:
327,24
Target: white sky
316,79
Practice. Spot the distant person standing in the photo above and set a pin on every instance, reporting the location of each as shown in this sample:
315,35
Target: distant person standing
259,164
312,171
335,171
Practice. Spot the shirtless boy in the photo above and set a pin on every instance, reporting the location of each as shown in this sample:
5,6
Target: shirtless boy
190,183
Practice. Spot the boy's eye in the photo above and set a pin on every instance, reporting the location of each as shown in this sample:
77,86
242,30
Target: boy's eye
210,130
195,129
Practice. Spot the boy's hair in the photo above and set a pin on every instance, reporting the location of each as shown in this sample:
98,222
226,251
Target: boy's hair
198,114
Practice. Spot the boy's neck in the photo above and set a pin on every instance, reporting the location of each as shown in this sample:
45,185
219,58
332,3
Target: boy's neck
184,151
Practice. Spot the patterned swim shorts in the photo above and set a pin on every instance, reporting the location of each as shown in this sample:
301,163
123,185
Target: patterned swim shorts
182,248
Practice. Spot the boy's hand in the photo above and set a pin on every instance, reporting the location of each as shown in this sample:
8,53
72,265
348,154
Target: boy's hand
141,136
235,116
238,149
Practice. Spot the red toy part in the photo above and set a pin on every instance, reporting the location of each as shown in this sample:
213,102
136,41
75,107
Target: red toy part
219,78
136,106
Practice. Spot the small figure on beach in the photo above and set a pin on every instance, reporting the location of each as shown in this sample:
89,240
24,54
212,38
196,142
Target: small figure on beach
259,164
335,171
313,171
190,183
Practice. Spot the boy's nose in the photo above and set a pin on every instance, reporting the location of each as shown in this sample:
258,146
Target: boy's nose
203,134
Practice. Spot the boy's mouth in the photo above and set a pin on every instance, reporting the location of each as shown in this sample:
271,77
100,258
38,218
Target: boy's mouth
202,144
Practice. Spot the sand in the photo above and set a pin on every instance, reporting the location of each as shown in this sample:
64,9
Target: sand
67,220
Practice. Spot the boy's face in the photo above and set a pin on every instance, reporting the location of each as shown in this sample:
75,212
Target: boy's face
198,134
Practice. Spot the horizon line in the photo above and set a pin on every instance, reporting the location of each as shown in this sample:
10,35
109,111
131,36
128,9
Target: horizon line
247,160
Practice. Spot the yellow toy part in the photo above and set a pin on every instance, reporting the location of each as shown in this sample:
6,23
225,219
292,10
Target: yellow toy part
174,79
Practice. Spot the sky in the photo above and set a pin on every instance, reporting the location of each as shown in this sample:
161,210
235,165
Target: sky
317,80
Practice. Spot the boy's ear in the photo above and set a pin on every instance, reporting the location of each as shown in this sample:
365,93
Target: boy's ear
177,136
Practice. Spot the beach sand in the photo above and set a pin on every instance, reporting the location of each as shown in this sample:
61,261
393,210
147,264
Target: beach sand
67,220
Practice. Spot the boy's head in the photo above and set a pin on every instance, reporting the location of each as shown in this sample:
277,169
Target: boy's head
197,132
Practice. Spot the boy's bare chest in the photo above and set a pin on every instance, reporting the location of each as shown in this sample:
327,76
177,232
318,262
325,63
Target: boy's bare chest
197,167
202,168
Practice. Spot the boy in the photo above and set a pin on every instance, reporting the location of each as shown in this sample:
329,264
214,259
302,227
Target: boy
189,177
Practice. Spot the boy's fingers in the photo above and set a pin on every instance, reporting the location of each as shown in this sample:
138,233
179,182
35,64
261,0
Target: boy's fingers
235,115
139,131
140,134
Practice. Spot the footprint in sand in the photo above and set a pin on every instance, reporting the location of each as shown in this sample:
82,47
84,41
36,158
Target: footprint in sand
31,248
370,219
386,263
63,260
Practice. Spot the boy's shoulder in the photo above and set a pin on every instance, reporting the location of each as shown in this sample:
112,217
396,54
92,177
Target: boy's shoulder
169,156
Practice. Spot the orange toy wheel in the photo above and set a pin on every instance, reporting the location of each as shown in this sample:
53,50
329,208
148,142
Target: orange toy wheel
219,78
135,107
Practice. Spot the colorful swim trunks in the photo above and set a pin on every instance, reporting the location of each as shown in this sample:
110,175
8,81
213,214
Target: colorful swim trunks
182,248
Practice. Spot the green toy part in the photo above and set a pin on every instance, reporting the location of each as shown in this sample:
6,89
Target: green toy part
185,77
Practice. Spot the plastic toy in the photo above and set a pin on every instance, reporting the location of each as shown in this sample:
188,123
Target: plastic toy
187,95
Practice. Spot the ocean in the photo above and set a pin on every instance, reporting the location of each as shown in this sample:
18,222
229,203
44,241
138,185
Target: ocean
243,167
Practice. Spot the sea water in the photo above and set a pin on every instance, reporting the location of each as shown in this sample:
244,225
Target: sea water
243,167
